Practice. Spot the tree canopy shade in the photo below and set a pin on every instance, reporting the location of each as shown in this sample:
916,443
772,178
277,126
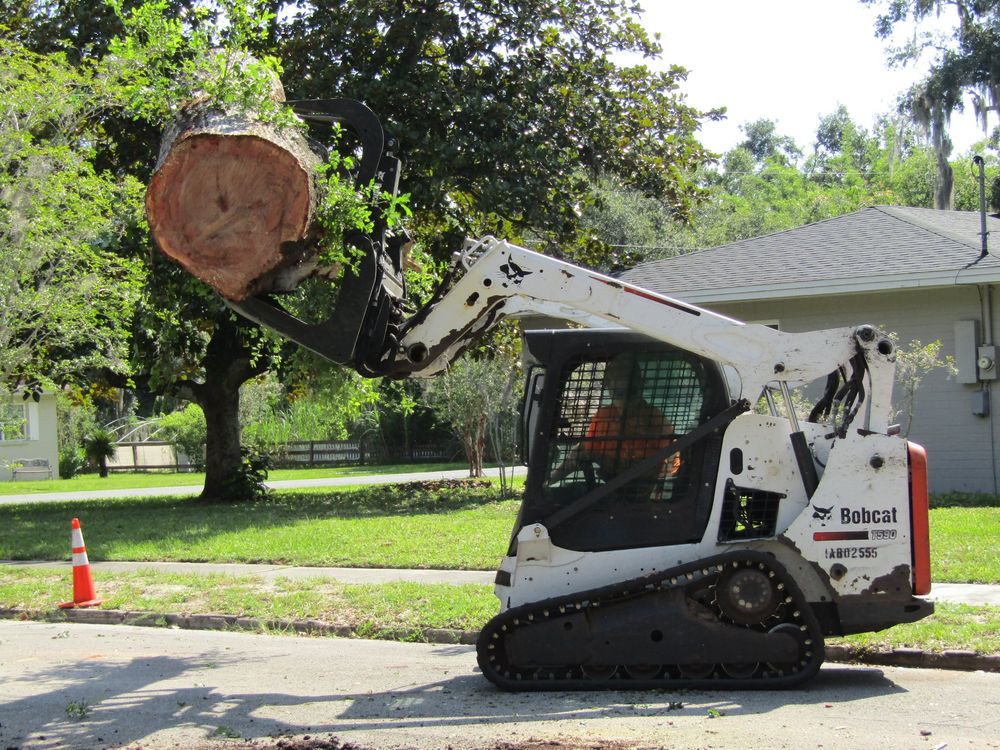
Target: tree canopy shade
504,110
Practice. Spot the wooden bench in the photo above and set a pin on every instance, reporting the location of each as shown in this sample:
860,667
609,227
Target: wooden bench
31,468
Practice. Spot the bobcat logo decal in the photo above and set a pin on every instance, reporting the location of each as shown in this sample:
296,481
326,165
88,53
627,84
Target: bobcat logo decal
823,514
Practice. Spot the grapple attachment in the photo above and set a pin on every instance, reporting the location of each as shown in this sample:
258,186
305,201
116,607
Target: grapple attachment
365,319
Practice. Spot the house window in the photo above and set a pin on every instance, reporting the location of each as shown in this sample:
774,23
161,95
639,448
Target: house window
13,421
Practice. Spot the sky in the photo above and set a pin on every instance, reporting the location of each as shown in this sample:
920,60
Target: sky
791,61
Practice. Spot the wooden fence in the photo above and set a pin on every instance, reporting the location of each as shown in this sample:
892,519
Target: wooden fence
153,455
356,452
147,455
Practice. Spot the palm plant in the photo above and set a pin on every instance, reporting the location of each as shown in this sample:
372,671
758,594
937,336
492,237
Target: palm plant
100,446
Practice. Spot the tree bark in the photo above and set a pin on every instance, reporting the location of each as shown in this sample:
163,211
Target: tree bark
474,443
228,365
232,201
222,446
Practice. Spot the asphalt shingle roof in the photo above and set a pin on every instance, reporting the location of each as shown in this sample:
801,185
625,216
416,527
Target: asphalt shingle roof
884,247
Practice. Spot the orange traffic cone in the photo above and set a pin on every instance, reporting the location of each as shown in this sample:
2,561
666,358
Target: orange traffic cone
83,584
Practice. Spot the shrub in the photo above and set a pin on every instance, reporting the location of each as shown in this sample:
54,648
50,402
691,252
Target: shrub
186,429
248,482
964,500
71,461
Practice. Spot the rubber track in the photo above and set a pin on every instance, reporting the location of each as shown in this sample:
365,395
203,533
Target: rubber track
491,654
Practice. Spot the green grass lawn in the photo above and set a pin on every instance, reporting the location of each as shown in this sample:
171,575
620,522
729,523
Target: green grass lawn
400,526
964,545
88,482
421,525
952,626
369,608
367,527
397,610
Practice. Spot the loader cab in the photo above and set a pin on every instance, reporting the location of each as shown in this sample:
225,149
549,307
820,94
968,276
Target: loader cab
600,407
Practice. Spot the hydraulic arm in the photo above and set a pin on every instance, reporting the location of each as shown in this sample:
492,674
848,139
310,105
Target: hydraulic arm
502,280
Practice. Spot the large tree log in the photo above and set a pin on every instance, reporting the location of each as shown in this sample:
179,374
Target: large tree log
233,201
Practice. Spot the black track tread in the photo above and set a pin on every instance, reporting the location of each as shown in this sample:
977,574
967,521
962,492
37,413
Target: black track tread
684,576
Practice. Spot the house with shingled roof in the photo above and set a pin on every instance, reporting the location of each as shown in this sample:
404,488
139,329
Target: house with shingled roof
918,272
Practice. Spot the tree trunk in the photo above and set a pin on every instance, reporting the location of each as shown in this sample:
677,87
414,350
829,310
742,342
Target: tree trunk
222,446
942,150
228,364
232,201
474,444
945,183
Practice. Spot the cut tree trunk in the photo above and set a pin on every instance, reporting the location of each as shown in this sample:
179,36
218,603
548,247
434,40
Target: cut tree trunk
232,200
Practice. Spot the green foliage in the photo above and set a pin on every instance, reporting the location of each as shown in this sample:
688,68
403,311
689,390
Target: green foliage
67,290
765,144
913,363
471,396
851,168
630,224
77,710
504,111
71,461
343,210
962,62
333,404
963,59
247,482
161,63
966,190
964,500
76,417
186,429
99,446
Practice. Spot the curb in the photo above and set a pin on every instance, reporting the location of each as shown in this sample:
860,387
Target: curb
234,622
966,661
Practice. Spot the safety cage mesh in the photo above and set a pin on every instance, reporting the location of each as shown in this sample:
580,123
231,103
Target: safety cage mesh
748,513
612,414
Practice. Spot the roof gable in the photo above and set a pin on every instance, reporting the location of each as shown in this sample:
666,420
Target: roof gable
875,249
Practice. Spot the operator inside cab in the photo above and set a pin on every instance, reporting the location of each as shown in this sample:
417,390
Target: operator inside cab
622,431
606,404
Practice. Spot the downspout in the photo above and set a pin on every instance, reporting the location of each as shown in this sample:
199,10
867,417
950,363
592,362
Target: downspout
986,298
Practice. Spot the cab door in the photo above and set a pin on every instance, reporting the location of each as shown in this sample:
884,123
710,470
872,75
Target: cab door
608,410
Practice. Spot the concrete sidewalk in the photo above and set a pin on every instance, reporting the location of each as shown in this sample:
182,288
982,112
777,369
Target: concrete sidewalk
283,484
957,593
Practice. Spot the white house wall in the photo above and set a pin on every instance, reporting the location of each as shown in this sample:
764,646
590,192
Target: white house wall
961,448
42,439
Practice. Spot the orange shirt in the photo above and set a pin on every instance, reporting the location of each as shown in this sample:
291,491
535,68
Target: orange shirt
617,443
